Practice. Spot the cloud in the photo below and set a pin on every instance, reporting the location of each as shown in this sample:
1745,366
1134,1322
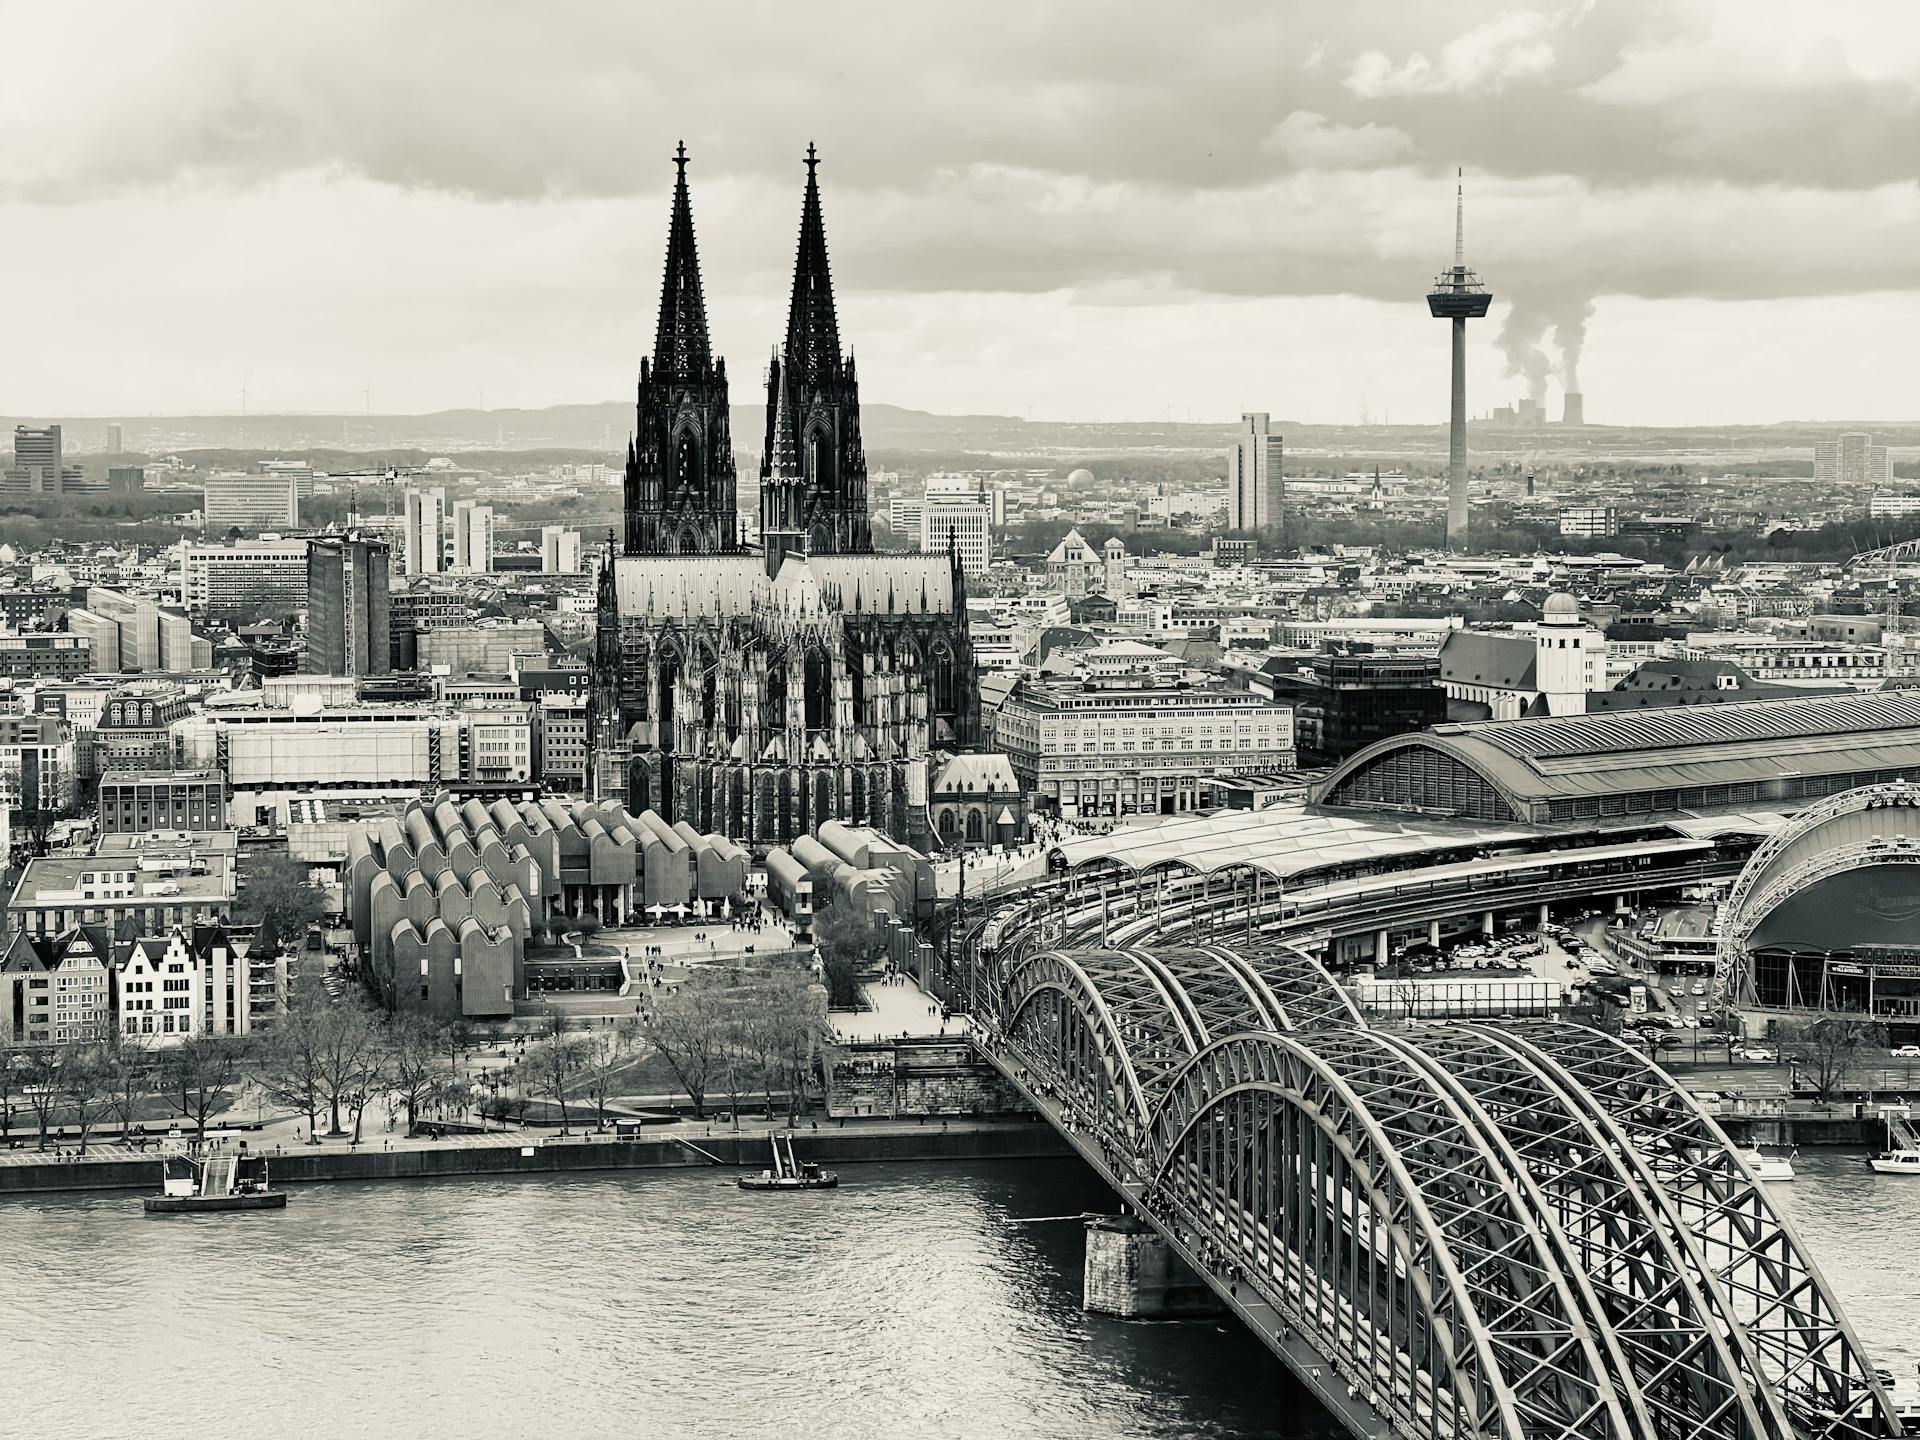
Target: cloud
473,170
1513,46
1311,141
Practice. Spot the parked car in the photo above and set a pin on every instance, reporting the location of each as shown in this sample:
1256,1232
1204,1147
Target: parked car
1906,1052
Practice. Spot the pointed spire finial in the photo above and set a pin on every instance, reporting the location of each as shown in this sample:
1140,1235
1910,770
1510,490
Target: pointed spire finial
680,345
1460,218
812,347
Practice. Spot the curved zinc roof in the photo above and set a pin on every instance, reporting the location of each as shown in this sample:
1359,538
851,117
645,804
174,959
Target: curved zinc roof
1578,756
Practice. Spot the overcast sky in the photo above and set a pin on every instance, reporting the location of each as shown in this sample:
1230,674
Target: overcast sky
1078,211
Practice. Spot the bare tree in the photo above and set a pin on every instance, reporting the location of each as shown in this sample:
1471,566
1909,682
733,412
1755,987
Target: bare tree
801,1007
556,1062
607,1054
198,1074
1828,1049
11,1057
781,1021
347,1052
687,1026
456,1038
289,1066
41,1074
84,1084
130,1076
413,1060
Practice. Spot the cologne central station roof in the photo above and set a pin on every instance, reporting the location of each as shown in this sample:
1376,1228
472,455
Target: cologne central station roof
1558,768
1293,839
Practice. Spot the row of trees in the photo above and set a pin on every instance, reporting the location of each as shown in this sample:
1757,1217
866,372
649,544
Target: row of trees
731,1033
337,1058
323,1058
115,1078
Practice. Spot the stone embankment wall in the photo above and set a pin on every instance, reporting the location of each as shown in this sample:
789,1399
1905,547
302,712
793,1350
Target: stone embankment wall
976,1140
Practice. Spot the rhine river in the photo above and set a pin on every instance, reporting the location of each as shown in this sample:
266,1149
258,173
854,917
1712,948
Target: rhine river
919,1300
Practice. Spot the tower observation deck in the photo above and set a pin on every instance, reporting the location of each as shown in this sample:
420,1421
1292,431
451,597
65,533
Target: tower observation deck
1458,295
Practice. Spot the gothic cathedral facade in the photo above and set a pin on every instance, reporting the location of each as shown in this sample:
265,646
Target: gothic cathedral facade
757,690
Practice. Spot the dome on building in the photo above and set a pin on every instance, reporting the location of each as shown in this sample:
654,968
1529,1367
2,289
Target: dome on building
1561,609
1080,477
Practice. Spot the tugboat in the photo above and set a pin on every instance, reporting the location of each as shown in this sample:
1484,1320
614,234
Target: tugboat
787,1174
217,1180
1902,1155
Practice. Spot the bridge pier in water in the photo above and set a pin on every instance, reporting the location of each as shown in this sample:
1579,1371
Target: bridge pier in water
1133,1273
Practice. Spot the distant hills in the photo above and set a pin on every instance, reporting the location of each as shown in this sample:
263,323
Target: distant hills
601,430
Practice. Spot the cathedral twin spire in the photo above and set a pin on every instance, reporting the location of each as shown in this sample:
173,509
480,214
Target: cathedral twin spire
681,347
813,330
680,477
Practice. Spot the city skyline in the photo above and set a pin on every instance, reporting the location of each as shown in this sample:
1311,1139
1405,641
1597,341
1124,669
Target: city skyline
1068,217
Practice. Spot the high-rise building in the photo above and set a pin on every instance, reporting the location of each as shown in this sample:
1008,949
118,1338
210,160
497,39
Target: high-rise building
957,510
349,620
426,531
1351,695
1851,460
559,550
36,468
137,621
1256,476
116,441
235,501
102,636
246,580
472,536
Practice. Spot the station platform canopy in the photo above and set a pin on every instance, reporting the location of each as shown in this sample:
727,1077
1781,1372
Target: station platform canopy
1297,839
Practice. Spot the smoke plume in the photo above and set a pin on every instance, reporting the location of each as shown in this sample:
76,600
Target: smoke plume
1520,336
1570,337
1523,340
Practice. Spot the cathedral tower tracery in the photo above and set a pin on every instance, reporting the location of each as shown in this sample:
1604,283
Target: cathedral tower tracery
813,469
680,483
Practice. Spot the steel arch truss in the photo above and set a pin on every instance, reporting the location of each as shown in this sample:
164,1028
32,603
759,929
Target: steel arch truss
1145,1013
1673,1328
1806,1350
1524,1231
1360,1202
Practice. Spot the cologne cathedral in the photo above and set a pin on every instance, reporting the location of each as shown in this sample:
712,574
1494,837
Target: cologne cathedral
758,689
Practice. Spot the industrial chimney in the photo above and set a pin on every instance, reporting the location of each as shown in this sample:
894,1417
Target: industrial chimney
1576,412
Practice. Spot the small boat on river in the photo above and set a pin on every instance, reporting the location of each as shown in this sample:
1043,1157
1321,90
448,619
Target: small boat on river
217,1180
1768,1167
1902,1155
789,1174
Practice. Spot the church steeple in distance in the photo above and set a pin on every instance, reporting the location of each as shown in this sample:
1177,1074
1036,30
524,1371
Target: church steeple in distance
680,482
813,414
